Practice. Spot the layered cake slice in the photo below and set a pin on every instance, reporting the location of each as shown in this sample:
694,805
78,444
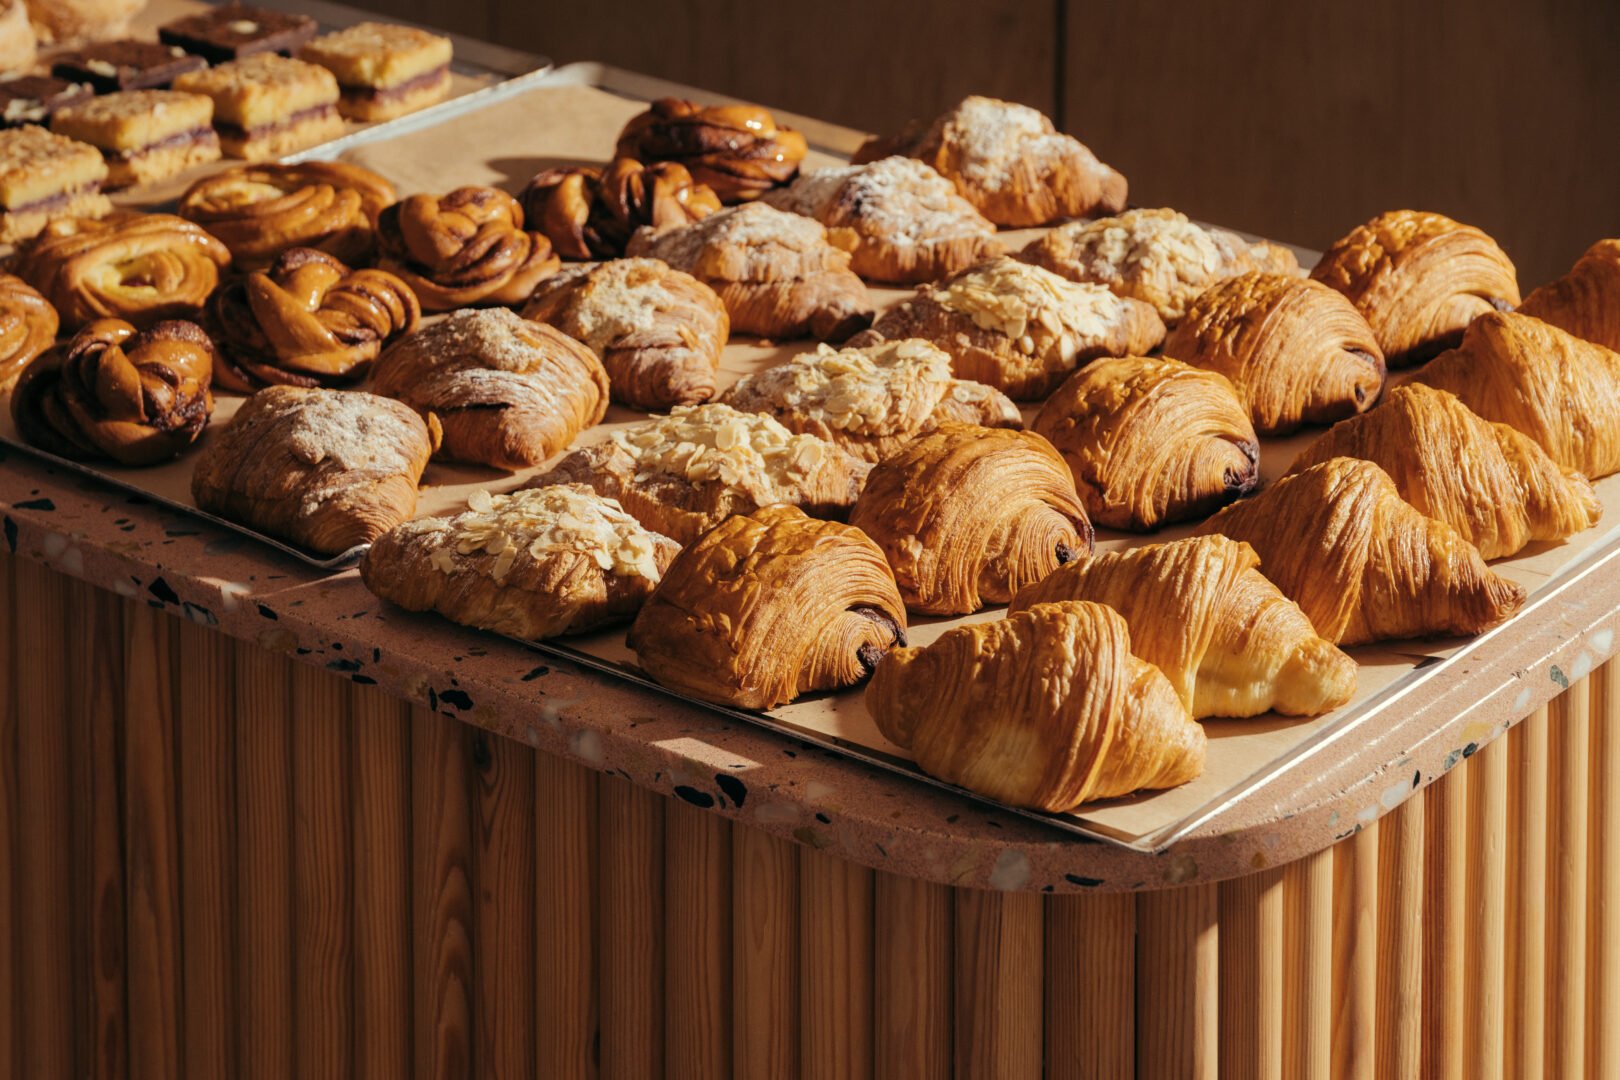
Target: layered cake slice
232,31
110,66
384,70
145,135
267,105
45,176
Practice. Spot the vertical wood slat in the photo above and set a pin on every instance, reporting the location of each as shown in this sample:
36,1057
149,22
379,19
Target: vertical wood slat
382,883
1524,1030
1485,908
1355,954
764,955
1308,967
1091,986
1445,873
998,954
1177,981
835,967
441,899
1399,1003
10,915
566,970
504,927
697,943
631,884
1251,976
1569,733
911,984
1603,882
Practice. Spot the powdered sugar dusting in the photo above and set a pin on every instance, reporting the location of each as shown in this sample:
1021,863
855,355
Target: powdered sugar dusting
899,200
991,134
750,225
876,390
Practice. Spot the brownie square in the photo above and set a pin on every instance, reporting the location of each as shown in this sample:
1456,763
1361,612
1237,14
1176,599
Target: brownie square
234,30
110,66
33,99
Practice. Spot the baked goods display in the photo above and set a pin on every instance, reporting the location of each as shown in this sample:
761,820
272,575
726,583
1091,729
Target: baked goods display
1010,162
308,320
736,150
1419,279
259,211
110,66
383,70
19,45
900,221
465,248
1151,441
145,135
967,516
1157,256
33,99
323,469
590,212
46,177
873,399
1361,562
658,331
769,606
776,272
232,31
1585,301
1019,328
111,391
72,20
1045,709
28,326
267,106
533,564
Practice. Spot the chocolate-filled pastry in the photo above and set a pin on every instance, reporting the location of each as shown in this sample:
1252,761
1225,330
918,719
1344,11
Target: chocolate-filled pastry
737,150
1419,279
1561,390
19,45
899,220
684,473
775,271
136,397
57,21
306,321
127,265
871,400
658,331
1157,256
464,249
1362,563
590,211
508,392
1585,301
111,66
1010,162
534,564
1151,441
383,70
1492,484
268,106
1201,612
769,606
1295,351
28,326
967,516
46,177
259,211
1044,709
145,135
232,31
323,469
34,99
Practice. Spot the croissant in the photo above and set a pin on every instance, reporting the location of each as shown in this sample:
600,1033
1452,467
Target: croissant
307,321
1230,643
28,326
590,212
137,397
464,249
1363,564
737,150
1558,389
142,268
768,606
1044,709
259,211
1495,486
1418,279
1151,441
1295,351
1585,301
967,516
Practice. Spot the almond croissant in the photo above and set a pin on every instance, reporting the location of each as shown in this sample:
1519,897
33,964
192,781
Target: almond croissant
1585,301
1045,709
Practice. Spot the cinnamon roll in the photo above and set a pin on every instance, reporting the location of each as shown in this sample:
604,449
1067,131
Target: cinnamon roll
463,249
259,211
28,326
590,212
737,150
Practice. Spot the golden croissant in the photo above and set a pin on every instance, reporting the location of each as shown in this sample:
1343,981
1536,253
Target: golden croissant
1227,639
737,150
968,515
1585,301
1045,709
464,249
28,326
590,212
768,606
261,210
1361,562
1492,484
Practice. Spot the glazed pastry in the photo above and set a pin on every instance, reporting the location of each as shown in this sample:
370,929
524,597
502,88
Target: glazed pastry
737,150
57,21
1419,279
1044,709
112,66
136,397
1019,328
1229,642
44,178
1151,441
1363,564
899,220
18,43
1585,301
1495,486
684,473
1295,351
465,248
307,321
232,31
776,273
872,400
534,564
590,212
128,265
1156,256
967,516
33,99
259,211
268,106
1010,162
323,469
658,331
1562,391
145,135
28,327
383,70
769,606
508,392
